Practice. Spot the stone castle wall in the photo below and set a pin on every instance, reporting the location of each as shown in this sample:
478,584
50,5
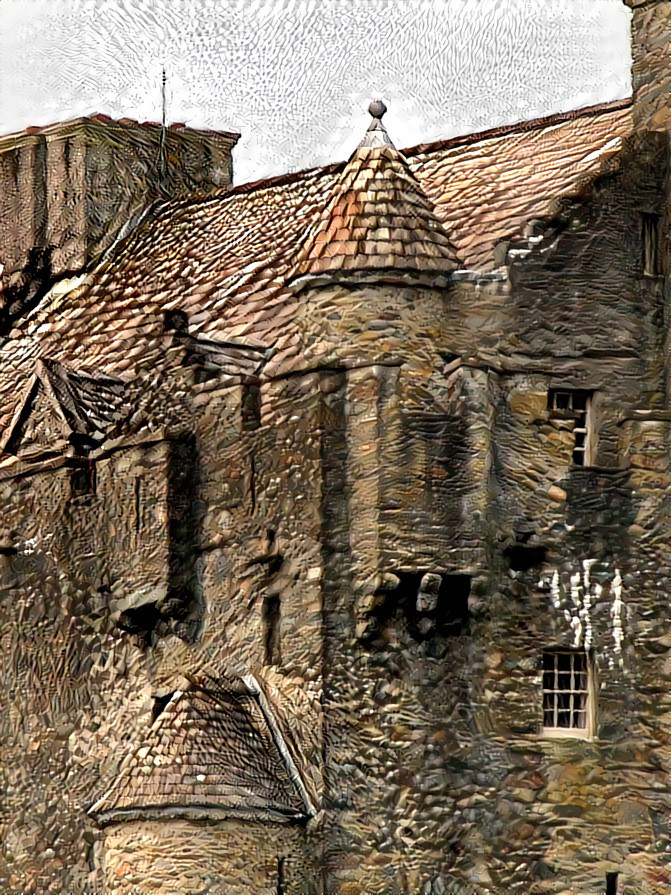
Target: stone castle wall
651,78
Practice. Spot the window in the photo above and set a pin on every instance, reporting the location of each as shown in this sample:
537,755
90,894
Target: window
567,698
281,876
575,405
83,479
251,407
138,505
271,629
652,265
611,883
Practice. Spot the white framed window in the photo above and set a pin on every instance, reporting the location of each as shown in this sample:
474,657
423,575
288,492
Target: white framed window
568,693
575,405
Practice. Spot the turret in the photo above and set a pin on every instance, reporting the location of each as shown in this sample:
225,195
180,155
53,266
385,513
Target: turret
651,68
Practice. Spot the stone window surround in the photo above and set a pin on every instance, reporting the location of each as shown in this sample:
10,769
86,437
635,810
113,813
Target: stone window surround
587,692
575,403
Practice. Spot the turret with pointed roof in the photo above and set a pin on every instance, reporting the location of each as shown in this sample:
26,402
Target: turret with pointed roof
378,218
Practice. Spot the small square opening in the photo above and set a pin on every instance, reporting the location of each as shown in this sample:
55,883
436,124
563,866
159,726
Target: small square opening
83,479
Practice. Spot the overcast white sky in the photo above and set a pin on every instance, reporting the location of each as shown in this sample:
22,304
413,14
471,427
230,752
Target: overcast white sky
295,76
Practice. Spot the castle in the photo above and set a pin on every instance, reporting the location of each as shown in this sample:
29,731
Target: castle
335,535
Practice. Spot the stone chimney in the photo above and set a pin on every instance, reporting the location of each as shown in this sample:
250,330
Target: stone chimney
67,191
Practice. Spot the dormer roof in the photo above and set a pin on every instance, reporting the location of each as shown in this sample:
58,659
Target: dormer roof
378,217
82,407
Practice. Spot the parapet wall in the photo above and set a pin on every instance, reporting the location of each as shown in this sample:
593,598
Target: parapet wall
68,190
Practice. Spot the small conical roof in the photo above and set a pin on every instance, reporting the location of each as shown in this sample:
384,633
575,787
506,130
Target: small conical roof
378,217
213,751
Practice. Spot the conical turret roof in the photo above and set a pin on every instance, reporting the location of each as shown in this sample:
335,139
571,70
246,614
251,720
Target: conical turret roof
378,217
214,751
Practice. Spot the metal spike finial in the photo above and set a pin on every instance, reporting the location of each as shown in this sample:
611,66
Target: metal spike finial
377,108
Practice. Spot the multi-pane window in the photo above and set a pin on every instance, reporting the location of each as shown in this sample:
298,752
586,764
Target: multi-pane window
566,692
575,405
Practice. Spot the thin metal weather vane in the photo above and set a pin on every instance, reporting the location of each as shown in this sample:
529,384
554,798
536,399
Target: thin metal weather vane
163,161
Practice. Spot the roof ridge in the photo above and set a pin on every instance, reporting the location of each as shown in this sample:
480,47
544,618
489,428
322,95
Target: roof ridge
520,127
503,130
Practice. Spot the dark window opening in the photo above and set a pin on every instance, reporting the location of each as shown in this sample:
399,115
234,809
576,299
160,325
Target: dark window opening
146,622
91,856
271,629
522,557
566,691
281,877
652,262
452,617
160,702
83,479
251,407
427,604
176,321
138,505
252,484
575,405
184,603
611,883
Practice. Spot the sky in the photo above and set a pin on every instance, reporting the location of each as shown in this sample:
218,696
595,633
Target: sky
295,77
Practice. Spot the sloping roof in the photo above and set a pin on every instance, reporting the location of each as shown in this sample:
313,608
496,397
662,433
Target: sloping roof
485,189
87,405
224,260
214,751
230,358
378,217
91,407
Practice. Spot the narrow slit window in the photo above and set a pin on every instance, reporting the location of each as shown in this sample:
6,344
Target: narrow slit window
567,703
652,266
251,407
281,877
138,505
611,883
575,405
271,629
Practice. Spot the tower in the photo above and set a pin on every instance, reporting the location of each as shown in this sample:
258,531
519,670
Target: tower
651,68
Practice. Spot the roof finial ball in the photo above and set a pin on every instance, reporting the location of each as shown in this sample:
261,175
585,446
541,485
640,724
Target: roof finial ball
377,108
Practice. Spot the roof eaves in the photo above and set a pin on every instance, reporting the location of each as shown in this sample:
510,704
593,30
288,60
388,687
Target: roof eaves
255,690
388,276
204,811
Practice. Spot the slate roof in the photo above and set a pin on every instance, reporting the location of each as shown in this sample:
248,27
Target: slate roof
224,260
486,186
215,751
